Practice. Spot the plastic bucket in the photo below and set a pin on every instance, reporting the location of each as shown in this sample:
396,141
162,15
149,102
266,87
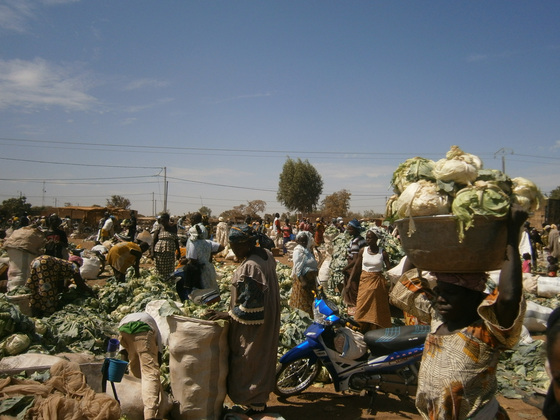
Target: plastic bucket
113,345
116,370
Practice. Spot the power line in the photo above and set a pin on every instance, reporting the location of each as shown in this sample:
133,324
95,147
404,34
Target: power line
82,164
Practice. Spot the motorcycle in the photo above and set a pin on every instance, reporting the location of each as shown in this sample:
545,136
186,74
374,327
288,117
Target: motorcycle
385,360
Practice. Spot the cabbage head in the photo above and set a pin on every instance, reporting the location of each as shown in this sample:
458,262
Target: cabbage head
496,177
485,199
527,195
421,198
458,167
412,170
16,344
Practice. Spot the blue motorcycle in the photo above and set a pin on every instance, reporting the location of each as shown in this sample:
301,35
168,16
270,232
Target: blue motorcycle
385,360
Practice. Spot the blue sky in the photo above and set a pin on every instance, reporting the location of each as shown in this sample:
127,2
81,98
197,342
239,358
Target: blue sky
97,97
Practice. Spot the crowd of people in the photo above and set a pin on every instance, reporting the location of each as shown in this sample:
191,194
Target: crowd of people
469,325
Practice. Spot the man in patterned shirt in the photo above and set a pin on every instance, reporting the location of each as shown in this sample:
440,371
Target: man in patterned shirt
469,330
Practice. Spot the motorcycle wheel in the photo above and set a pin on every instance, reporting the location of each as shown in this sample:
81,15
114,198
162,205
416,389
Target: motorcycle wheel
295,377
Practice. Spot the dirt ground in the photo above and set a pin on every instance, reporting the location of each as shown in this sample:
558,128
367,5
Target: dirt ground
320,402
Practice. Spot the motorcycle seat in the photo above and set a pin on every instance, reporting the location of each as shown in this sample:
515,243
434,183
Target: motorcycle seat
387,340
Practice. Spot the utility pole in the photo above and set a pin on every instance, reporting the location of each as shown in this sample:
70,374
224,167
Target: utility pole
165,189
503,151
43,197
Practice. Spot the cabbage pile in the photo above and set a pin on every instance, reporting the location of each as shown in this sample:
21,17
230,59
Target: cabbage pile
458,185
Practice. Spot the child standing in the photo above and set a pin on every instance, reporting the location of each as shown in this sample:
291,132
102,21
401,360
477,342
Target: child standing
526,266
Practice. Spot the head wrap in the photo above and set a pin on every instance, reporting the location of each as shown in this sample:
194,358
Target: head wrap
241,233
193,233
220,219
472,281
308,235
355,224
76,259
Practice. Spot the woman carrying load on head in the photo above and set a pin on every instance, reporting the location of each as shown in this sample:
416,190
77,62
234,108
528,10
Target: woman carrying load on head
372,303
165,246
254,322
469,328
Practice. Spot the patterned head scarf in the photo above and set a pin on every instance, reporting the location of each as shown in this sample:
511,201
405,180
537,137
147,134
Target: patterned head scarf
472,281
243,233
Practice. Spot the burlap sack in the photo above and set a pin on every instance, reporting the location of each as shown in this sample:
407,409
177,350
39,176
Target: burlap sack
198,366
27,238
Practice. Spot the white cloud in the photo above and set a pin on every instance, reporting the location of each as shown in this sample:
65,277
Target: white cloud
139,108
145,83
40,84
15,14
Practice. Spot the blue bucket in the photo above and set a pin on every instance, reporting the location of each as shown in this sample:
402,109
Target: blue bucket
113,345
116,370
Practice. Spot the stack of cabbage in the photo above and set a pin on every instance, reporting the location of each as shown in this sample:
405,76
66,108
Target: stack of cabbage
458,185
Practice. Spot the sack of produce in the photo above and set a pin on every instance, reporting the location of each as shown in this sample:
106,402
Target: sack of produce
27,238
198,366
19,267
536,317
548,287
90,268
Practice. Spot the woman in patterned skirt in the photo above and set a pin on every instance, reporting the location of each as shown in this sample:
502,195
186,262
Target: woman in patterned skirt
165,246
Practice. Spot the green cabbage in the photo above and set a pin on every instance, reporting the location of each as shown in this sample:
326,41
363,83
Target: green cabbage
412,170
494,176
483,198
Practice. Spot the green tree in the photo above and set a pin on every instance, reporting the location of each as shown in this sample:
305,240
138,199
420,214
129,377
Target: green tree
555,193
300,186
254,207
205,211
14,207
337,204
118,201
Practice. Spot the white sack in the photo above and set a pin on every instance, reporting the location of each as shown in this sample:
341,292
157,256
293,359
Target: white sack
536,317
19,267
90,268
548,287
